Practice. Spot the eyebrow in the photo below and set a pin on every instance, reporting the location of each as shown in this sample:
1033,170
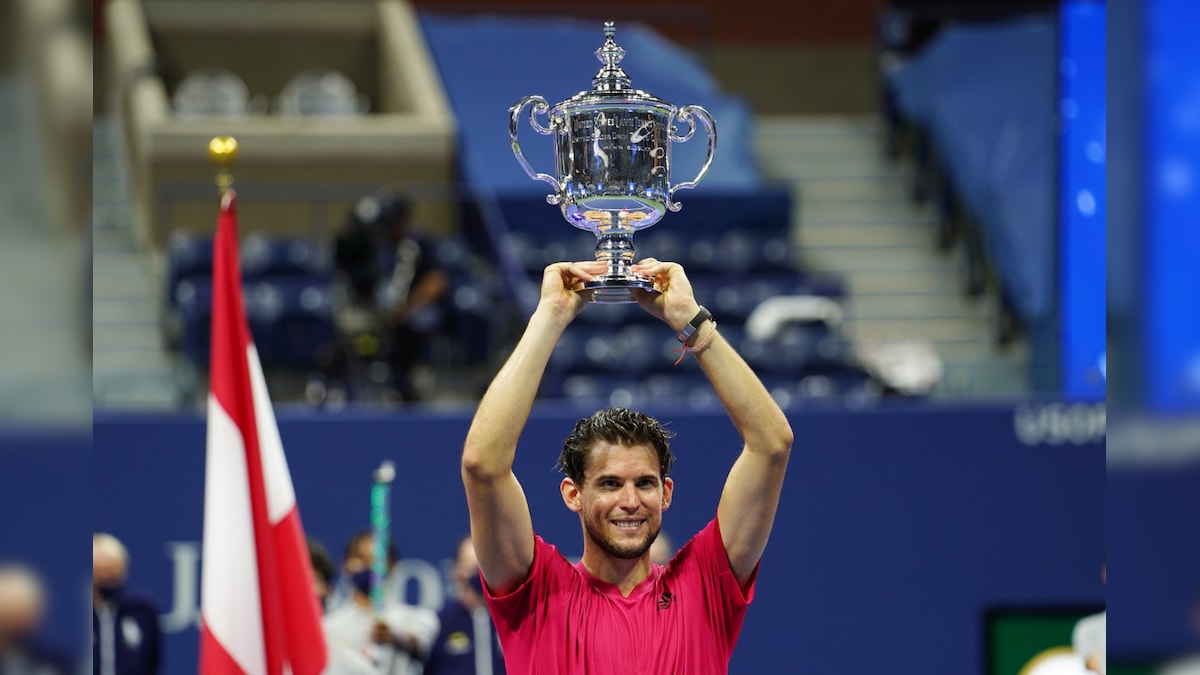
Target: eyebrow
648,476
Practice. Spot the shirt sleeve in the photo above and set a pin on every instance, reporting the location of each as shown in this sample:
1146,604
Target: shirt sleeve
528,602
701,568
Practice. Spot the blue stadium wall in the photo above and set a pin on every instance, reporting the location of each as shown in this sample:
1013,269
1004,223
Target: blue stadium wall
897,529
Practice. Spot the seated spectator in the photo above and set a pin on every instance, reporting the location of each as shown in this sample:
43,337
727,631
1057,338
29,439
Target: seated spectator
395,287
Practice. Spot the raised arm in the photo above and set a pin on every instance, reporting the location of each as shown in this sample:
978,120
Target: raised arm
501,527
751,495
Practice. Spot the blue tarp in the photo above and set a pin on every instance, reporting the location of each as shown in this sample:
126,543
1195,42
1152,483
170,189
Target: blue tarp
984,93
488,63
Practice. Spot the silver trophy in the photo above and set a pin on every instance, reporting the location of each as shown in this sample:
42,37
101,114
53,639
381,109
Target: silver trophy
612,159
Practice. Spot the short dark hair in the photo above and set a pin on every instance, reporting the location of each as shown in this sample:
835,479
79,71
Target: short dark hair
322,564
393,551
614,425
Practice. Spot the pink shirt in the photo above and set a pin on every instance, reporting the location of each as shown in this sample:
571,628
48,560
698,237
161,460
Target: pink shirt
684,618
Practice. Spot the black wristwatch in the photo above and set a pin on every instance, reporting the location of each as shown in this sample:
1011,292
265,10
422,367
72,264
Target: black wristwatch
694,325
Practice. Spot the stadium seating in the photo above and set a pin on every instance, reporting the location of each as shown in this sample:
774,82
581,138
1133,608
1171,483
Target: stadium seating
732,234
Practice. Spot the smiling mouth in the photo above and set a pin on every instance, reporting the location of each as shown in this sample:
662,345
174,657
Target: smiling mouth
628,524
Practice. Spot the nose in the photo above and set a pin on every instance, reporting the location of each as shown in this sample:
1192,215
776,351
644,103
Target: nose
629,498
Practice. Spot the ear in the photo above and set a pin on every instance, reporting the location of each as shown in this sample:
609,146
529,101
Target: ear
570,495
668,491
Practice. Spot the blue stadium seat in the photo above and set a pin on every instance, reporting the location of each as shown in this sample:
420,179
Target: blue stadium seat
189,256
291,318
193,302
263,257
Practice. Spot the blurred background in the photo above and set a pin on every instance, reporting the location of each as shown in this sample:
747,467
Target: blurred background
905,231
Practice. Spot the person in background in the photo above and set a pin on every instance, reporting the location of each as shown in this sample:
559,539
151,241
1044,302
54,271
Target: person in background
322,567
396,639
359,553
467,643
126,639
22,609
395,289
342,661
661,550
1089,638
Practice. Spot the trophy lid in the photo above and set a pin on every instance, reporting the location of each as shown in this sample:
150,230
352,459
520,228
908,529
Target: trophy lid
612,80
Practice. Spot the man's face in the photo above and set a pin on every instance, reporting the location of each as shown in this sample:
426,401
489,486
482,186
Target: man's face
362,556
465,573
108,571
621,499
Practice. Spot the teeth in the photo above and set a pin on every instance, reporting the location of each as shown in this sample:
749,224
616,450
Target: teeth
628,525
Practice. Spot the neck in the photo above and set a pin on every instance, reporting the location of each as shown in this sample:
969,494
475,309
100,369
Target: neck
622,573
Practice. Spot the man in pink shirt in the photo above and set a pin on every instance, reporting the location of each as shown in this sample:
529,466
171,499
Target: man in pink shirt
614,611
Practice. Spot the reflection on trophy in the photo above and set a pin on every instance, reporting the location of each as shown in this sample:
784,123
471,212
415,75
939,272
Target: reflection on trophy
612,157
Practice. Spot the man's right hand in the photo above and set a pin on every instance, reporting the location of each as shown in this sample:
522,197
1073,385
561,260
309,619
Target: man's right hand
560,281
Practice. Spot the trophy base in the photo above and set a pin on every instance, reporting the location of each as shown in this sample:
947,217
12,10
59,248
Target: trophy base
613,289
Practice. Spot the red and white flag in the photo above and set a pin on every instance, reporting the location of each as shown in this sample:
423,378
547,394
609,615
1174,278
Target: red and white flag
259,613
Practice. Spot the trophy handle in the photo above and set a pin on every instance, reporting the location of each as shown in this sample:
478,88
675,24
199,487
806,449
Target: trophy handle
514,117
685,114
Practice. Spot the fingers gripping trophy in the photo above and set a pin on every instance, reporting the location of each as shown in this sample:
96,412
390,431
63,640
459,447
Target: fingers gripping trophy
612,159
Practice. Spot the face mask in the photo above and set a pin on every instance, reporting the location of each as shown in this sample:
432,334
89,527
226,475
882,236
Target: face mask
361,580
109,592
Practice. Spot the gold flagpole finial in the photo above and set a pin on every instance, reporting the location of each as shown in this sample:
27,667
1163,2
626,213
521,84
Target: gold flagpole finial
223,151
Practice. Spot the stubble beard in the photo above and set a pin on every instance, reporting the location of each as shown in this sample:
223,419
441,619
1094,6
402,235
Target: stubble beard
623,551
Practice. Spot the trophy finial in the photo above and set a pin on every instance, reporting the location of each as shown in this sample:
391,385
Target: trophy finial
611,77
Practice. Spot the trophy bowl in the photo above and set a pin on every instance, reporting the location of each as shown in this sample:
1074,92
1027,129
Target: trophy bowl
612,161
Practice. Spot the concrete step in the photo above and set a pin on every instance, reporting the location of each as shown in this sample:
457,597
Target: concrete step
771,126
853,189
119,338
863,212
810,166
818,235
124,286
121,310
914,305
930,280
852,259
133,358
976,351
136,391
781,150
939,329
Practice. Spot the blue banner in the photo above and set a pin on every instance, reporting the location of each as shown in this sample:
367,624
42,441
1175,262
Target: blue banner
1172,340
1082,199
